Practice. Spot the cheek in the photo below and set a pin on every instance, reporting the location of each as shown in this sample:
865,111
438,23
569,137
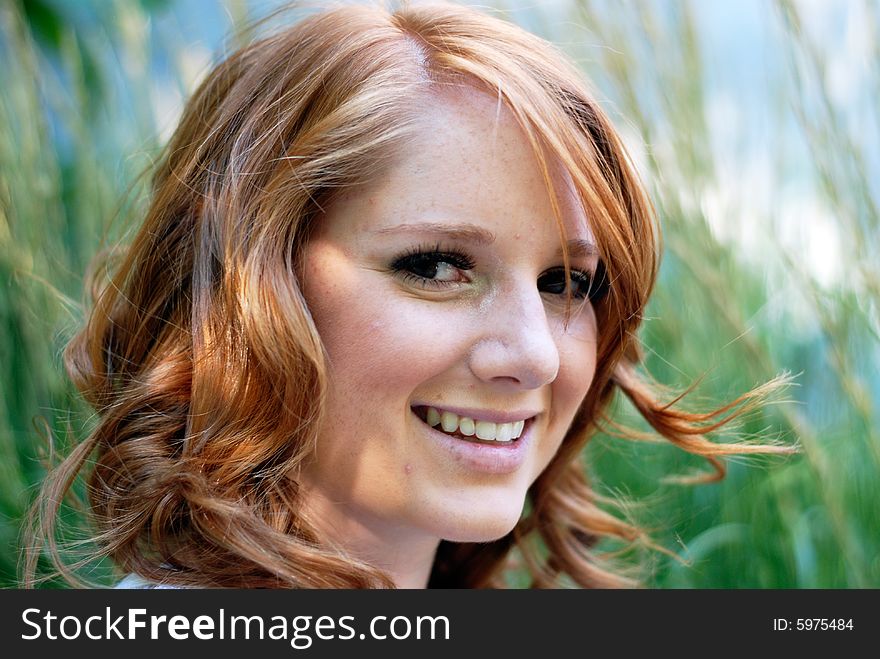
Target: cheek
577,367
578,343
576,371
373,334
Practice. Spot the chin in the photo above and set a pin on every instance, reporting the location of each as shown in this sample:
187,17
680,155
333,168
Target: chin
481,524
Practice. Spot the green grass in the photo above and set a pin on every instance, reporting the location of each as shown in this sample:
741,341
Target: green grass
76,129
810,521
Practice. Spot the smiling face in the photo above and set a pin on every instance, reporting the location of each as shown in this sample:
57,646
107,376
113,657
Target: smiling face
438,291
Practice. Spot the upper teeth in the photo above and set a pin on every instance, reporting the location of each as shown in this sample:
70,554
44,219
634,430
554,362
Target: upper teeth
450,422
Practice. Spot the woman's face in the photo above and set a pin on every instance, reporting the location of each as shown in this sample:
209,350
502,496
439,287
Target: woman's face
438,290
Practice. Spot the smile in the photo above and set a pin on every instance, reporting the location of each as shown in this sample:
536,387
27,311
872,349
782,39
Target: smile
469,428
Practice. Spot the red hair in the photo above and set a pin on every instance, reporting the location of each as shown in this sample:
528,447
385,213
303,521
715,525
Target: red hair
200,356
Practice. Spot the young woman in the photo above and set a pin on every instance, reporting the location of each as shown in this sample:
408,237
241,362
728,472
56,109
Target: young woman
390,278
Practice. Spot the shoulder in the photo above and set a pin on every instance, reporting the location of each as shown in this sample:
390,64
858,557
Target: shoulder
135,581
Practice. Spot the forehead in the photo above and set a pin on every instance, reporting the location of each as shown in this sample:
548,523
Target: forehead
467,161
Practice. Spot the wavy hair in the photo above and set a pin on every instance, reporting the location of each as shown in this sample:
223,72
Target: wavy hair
200,356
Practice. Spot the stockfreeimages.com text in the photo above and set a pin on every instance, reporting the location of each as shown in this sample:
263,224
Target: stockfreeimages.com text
300,631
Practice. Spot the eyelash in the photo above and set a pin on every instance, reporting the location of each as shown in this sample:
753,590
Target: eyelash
412,259
404,264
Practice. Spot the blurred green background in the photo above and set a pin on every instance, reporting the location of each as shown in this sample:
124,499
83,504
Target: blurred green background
755,125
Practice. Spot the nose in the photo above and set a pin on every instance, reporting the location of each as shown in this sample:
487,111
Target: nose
518,345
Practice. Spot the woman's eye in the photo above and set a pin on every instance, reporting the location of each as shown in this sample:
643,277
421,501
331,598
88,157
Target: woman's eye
435,268
583,284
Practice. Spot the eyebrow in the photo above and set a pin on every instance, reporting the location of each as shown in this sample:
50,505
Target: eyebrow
476,234
582,248
467,232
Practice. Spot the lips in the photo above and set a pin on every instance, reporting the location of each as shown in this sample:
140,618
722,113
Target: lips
489,457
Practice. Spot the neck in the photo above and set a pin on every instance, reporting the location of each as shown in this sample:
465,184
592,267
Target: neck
406,556
409,564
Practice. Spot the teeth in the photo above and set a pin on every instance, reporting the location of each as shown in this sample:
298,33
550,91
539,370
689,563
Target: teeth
485,430
449,421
